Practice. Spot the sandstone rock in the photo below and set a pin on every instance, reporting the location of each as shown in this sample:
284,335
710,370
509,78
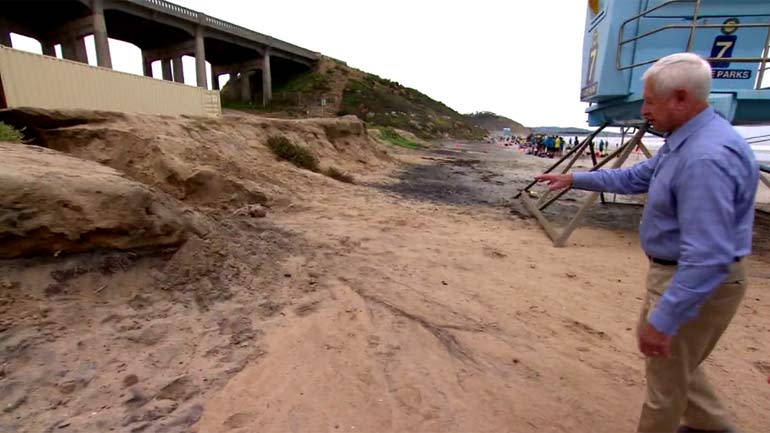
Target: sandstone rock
15,405
154,410
204,184
150,336
130,380
137,399
51,203
68,387
188,418
180,389
252,210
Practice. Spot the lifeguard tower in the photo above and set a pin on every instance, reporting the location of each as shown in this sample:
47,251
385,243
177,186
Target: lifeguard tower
623,38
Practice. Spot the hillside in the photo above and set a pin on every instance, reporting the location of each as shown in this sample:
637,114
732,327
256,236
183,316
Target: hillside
492,123
333,88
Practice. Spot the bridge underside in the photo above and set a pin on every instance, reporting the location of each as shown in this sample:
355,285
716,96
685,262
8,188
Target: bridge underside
161,37
44,16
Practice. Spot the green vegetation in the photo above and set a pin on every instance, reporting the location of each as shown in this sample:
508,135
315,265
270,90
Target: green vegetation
308,82
494,123
386,103
335,174
9,133
377,101
288,151
302,158
393,137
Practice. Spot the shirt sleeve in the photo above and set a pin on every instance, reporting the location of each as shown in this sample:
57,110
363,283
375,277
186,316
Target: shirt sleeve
631,180
706,213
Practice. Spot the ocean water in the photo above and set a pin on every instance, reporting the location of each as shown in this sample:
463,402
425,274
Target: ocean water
761,150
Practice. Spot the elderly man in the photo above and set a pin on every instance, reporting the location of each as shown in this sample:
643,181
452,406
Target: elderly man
696,230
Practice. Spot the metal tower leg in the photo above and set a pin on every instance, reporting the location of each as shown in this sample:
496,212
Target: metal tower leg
560,239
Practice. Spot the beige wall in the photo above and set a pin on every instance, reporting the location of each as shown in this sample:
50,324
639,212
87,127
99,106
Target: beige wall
33,80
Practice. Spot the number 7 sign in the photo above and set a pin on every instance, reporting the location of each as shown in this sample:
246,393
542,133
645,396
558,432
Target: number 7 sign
723,49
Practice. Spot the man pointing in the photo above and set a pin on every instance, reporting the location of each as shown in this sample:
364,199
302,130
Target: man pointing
696,230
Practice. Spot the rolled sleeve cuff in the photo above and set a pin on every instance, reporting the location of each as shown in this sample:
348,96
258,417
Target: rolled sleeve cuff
664,321
583,180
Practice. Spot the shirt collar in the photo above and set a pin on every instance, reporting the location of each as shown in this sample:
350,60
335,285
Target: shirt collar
676,138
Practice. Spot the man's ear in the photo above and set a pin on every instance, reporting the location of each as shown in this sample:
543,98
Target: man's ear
680,95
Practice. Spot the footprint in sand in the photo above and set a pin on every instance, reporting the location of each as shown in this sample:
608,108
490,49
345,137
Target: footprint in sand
238,420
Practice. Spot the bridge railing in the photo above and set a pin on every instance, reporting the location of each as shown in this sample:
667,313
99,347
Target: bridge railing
255,36
170,8
216,23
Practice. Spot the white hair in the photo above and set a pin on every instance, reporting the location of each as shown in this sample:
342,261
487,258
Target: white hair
681,71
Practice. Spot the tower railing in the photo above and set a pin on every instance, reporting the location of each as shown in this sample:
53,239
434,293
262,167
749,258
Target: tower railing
763,60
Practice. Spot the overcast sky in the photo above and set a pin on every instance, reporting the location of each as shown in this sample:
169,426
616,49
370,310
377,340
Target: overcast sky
520,59
517,58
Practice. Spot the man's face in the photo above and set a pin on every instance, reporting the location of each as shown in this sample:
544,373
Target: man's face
662,111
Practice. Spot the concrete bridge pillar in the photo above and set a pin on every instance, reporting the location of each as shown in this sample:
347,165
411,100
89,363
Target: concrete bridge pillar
216,72
165,69
146,65
267,79
245,85
5,33
74,48
178,69
200,56
103,58
49,48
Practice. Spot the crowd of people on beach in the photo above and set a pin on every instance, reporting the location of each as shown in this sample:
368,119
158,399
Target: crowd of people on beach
551,146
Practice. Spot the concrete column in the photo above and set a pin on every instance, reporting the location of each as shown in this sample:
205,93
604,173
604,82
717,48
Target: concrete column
68,49
103,58
74,48
147,66
267,79
200,58
49,48
80,50
165,68
245,86
5,34
178,69
214,81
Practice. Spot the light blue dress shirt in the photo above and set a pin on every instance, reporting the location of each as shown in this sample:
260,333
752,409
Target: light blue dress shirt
701,186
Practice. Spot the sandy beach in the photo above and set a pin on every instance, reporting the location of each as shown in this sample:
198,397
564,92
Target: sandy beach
453,314
423,298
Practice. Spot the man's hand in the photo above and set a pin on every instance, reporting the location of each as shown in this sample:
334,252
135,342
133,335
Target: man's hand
555,181
654,344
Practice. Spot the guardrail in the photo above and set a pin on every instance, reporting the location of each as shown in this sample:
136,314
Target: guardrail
216,23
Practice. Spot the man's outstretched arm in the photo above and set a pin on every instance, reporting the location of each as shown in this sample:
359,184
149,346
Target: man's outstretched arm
631,180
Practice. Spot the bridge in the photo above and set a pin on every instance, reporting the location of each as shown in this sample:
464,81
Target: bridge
164,32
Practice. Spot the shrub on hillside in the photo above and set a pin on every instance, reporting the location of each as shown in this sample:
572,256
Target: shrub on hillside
295,154
9,133
335,174
393,137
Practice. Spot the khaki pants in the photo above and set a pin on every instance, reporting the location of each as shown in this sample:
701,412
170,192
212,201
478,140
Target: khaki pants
677,389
